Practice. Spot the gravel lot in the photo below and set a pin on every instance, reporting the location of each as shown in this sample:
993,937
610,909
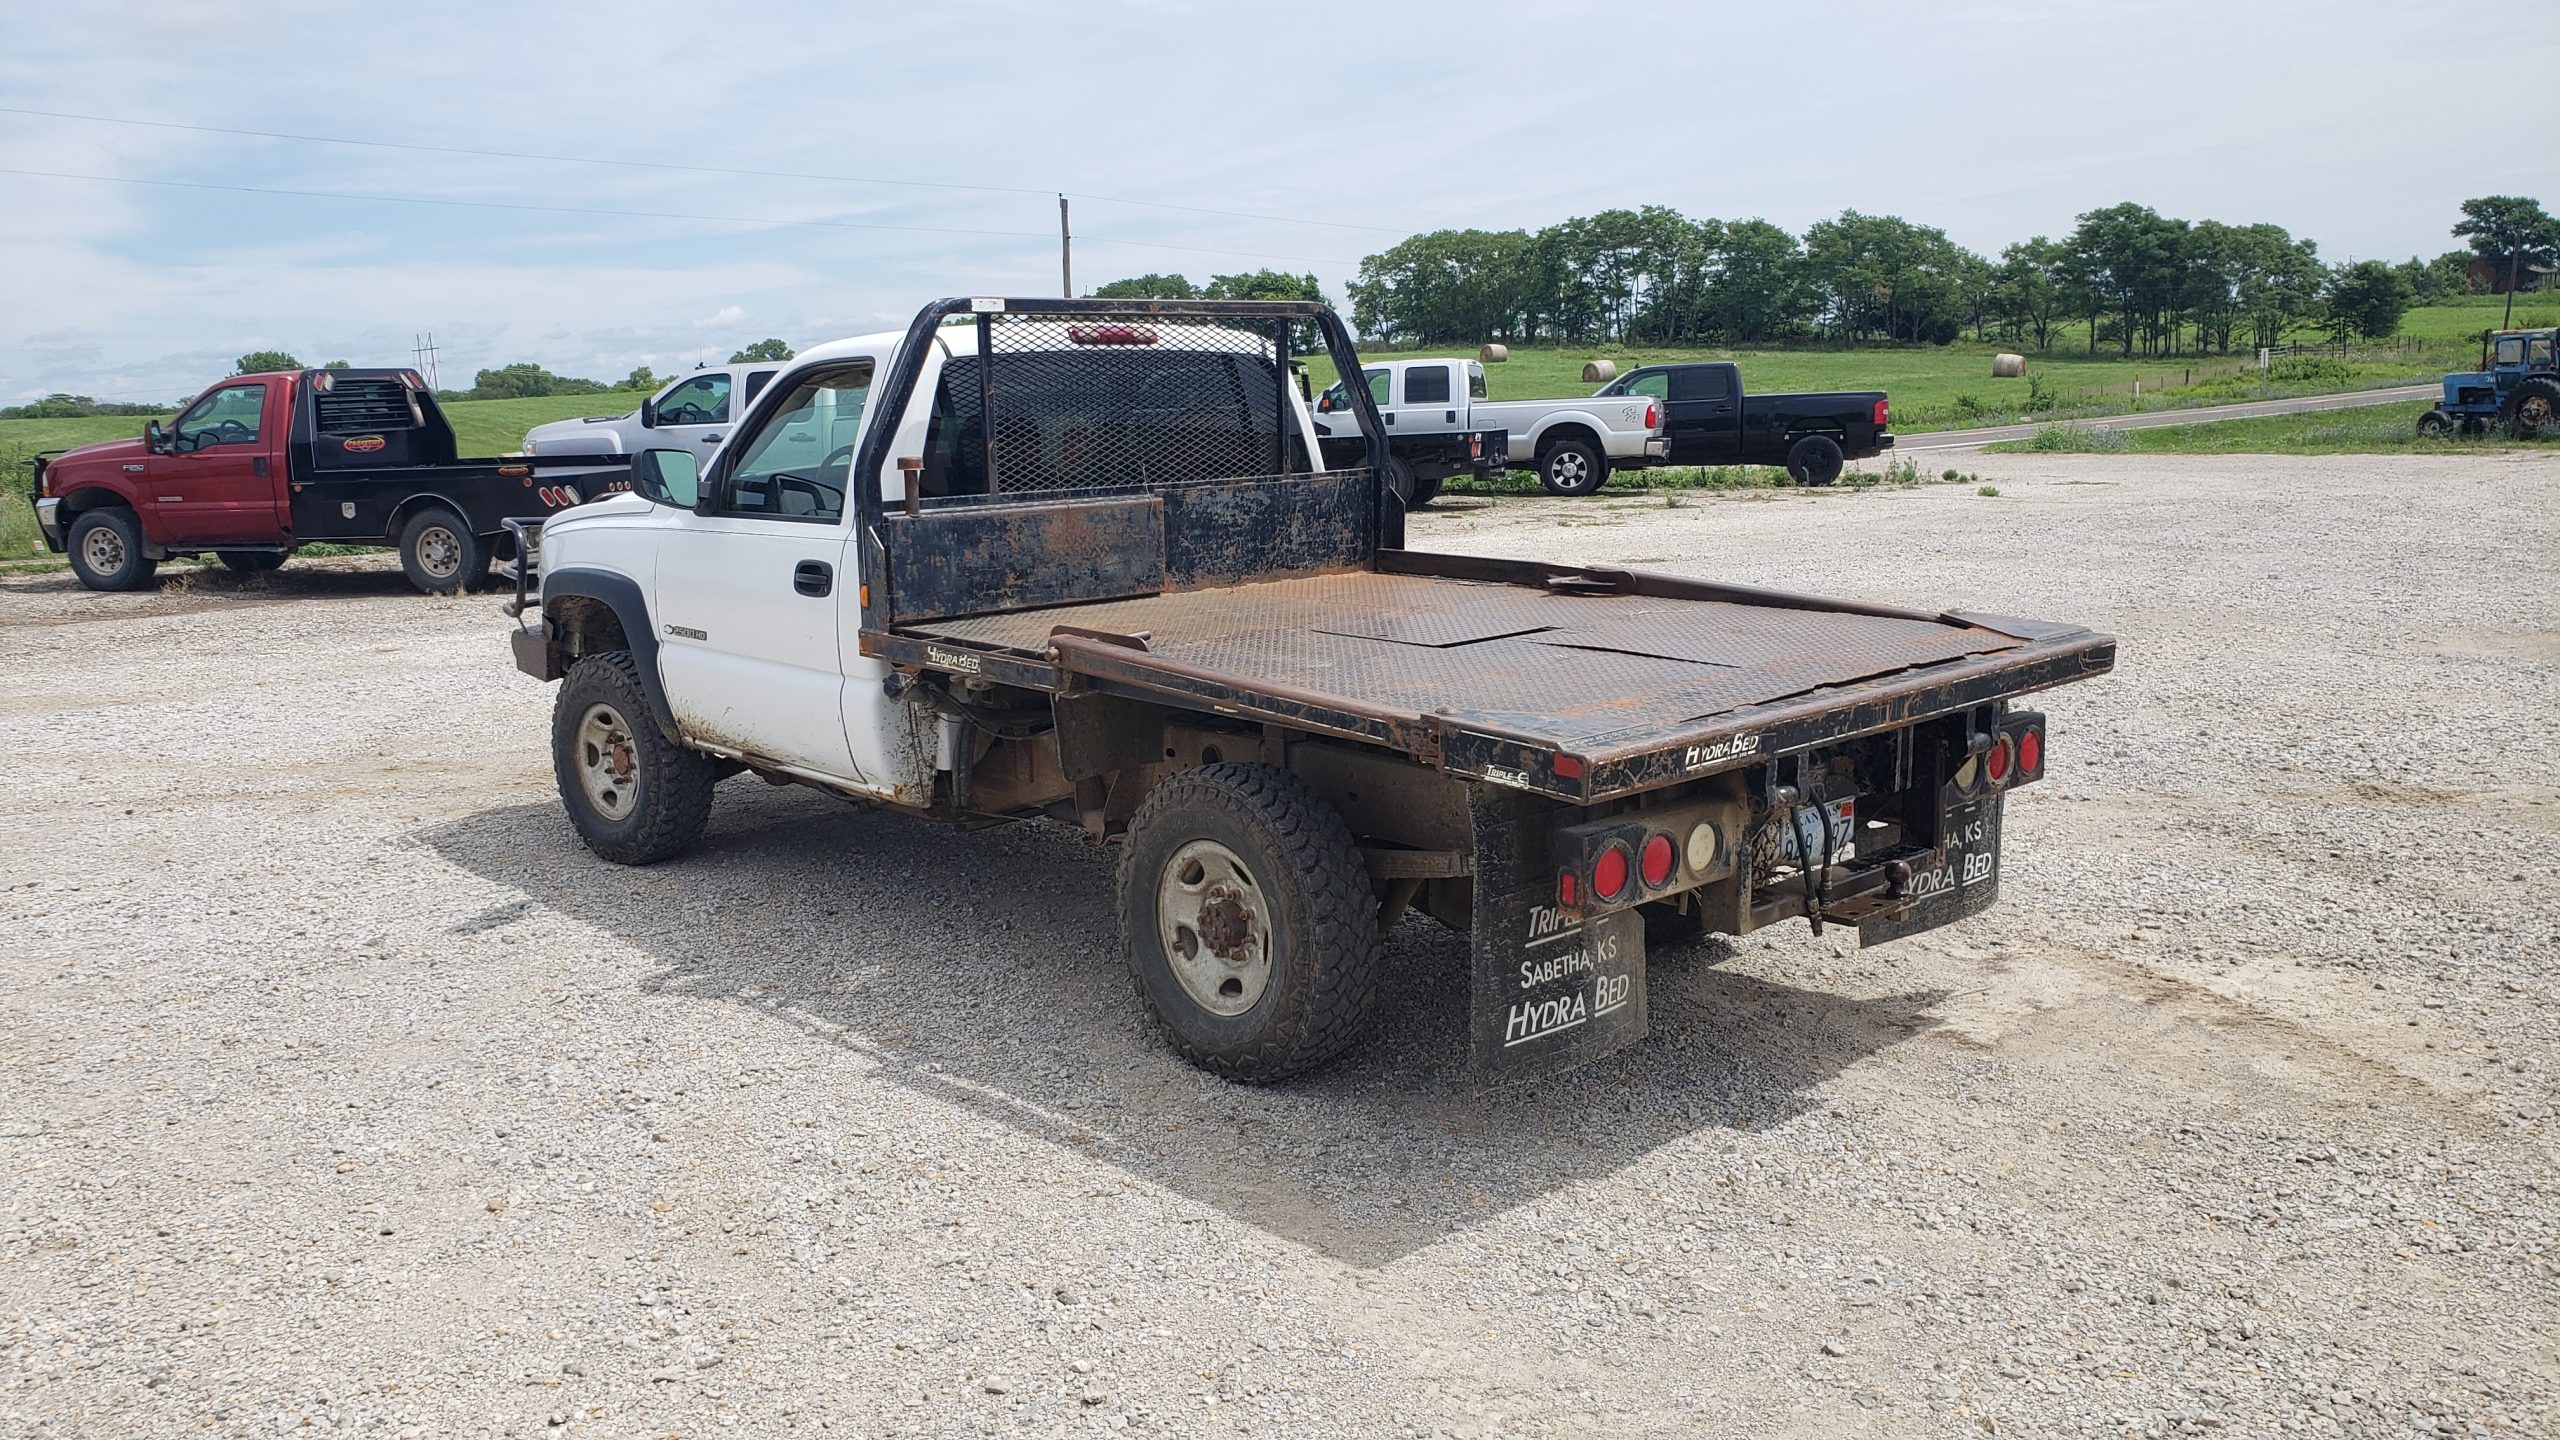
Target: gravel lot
344,1091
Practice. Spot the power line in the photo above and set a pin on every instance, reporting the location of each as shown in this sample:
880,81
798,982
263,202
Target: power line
650,214
690,169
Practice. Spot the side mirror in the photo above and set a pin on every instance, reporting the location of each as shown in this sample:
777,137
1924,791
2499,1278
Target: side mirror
667,477
1324,403
154,439
649,413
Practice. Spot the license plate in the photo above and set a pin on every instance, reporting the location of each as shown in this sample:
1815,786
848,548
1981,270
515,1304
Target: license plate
1804,837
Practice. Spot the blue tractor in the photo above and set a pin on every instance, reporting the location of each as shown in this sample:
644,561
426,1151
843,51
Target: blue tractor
2516,387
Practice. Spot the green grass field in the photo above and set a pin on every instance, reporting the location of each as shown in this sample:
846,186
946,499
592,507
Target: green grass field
1950,388
2369,430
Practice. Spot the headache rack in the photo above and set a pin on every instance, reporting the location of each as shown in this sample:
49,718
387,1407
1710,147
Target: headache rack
1093,450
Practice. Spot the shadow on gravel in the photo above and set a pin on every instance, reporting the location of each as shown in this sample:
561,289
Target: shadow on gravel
983,969
180,589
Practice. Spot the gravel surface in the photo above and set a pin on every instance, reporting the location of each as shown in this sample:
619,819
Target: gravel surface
345,1092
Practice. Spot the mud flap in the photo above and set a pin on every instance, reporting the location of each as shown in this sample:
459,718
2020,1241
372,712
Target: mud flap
1550,988
1963,877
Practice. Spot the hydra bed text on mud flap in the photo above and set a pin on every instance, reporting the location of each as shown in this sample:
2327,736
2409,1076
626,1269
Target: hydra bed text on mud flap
1085,561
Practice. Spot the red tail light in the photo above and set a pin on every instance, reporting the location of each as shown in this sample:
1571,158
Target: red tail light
1995,761
1652,415
2030,752
1568,895
1609,873
1568,767
1660,859
1884,408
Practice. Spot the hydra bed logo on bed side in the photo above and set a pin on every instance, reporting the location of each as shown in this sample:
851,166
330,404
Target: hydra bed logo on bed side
1699,757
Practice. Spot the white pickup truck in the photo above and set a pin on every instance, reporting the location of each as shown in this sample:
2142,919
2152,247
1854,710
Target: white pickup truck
1087,561
692,412
1572,444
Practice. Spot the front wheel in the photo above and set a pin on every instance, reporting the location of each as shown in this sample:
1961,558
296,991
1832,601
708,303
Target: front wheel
107,551
2435,423
634,795
1250,922
1573,467
1814,460
440,554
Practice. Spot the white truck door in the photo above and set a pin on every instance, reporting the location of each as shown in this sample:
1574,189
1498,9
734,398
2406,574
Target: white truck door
693,414
1429,400
750,596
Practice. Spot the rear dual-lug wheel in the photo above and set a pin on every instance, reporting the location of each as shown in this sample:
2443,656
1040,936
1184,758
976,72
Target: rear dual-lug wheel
1250,921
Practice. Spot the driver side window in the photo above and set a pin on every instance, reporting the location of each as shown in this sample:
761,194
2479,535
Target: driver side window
796,464
1656,386
702,400
228,416
1378,380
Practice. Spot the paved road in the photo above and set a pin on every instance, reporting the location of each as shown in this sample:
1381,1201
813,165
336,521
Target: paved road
1991,435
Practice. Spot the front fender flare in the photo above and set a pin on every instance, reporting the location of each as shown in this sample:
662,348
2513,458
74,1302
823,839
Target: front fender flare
621,594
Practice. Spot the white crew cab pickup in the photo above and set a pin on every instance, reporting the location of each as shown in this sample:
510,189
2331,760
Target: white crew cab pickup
1088,562
1571,444
691,412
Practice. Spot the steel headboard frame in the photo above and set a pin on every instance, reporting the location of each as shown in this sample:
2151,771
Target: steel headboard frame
890,400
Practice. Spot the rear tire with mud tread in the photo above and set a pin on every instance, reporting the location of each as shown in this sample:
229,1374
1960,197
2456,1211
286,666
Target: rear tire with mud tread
672,784
1326,955
2533,410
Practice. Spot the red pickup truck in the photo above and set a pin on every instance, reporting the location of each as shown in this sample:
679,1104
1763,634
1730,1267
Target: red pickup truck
260,465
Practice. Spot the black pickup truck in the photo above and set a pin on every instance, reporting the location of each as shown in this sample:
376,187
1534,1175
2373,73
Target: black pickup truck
1087,561
1710,421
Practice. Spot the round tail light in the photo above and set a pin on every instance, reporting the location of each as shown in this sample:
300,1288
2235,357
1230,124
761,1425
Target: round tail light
2031,752
1995,761
1660,858
1609,872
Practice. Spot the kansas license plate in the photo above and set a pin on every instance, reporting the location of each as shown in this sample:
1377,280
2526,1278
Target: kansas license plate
1804,837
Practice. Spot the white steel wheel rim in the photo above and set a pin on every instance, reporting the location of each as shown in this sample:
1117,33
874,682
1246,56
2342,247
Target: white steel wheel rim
1215,925
103,548
439,553
608,765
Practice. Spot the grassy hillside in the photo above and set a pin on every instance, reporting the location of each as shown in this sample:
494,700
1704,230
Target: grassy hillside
1949,388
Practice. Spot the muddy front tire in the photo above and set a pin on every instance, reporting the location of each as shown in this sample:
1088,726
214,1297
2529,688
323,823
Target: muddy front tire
1250,922
634,795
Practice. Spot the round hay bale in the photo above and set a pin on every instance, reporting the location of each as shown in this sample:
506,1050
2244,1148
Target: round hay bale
1599,372
1494,354
2008,367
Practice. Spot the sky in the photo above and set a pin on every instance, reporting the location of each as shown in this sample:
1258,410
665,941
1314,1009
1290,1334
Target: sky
1332,133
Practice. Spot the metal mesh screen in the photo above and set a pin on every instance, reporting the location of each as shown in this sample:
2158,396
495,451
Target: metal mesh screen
1099,402
354,406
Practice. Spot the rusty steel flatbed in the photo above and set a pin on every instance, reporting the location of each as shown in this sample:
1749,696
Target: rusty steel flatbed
1577,683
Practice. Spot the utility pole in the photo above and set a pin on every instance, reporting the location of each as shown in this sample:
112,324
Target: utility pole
1066,270
2515,258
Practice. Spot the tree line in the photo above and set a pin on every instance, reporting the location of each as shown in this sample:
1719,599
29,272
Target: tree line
2131,278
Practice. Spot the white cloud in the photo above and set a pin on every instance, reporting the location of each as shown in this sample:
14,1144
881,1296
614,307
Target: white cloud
1992,120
